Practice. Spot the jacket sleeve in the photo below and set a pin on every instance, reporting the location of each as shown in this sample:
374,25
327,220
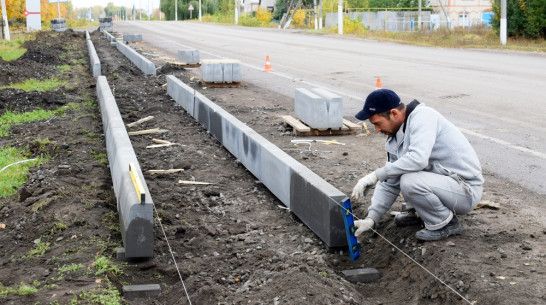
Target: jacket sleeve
383,197
423,130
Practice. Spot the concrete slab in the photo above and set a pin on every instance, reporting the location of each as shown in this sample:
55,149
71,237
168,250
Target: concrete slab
132,292
363,275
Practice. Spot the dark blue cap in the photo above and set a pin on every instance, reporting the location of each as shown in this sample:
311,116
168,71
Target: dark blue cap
380,100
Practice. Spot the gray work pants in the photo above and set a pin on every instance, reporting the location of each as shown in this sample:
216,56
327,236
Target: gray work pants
437,197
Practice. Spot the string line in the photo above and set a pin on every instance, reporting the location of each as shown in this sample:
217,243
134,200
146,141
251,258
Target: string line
172,254
413,260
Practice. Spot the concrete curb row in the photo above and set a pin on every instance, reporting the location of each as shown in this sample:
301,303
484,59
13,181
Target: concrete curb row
311,198
136,219
93,57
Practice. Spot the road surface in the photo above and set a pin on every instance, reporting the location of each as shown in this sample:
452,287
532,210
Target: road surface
495,97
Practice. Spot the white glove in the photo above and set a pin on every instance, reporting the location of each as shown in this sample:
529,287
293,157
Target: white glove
363,186
363,225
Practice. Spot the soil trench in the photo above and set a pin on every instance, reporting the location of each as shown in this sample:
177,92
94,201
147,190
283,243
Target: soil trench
233,241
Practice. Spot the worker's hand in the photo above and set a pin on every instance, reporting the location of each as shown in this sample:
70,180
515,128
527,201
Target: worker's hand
363,226
363,186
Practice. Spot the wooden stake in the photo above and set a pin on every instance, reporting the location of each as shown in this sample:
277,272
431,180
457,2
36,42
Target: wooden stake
148,118
194,182
158,141
165,171
147,131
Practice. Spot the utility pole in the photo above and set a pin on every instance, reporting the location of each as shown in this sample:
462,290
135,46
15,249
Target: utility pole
419,17
236,12
315,13
503,23
340,17
175,10
5,17
199,10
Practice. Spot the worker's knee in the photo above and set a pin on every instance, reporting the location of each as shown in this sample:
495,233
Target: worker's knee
410,184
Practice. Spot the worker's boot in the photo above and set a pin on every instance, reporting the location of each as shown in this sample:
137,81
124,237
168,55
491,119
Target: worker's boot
452,228
407,218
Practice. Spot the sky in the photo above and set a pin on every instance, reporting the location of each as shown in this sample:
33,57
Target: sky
145,4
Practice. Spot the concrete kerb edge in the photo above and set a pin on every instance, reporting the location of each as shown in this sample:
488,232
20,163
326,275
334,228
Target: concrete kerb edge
93,58
136,219
140,61
311,198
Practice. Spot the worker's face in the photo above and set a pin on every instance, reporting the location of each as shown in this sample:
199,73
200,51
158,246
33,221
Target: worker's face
386,126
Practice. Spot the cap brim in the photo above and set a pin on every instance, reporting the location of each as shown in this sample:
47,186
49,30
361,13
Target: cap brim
363,115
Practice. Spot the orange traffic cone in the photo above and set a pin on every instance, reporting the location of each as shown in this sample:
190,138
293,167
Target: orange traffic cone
378,83
267,65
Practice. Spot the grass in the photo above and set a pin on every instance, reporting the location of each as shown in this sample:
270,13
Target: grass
14,176
10,118
103,265
101,295
35,85
477,37
11,50
39,250
71,267
23,289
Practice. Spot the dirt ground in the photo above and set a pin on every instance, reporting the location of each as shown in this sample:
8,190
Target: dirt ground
233,241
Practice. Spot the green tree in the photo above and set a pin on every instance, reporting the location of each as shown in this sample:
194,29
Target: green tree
524,18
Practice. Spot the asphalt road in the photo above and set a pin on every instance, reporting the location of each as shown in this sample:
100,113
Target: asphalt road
496,98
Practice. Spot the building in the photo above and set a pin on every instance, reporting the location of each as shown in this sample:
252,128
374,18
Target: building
462,13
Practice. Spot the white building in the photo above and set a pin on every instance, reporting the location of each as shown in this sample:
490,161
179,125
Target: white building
462,13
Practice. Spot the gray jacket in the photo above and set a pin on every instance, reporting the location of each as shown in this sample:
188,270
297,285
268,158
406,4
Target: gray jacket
430,143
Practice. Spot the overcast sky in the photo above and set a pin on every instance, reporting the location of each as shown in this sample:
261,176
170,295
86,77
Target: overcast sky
145,4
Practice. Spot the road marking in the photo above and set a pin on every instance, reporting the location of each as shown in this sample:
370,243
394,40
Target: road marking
466,131
504,143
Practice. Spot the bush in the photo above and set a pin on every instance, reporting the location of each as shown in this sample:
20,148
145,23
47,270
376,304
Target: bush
264,15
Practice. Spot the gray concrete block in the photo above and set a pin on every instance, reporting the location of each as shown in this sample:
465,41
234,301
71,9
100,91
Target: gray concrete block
131,292
132,37
364,275
106,24
136,219
93,58
221,70
311,198
109,36
318,108
120,254
334,107
310,108
189,56
181,93
145,65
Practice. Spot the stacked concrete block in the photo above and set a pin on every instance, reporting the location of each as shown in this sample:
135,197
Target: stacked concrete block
136,218
132,37
221,71
106,24
311,198
190,57
58,24
140,61
318,108
93,57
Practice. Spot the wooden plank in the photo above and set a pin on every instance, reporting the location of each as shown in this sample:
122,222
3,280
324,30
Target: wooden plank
222,85
295,123
351,125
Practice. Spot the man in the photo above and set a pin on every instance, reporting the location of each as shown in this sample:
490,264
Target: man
428,160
